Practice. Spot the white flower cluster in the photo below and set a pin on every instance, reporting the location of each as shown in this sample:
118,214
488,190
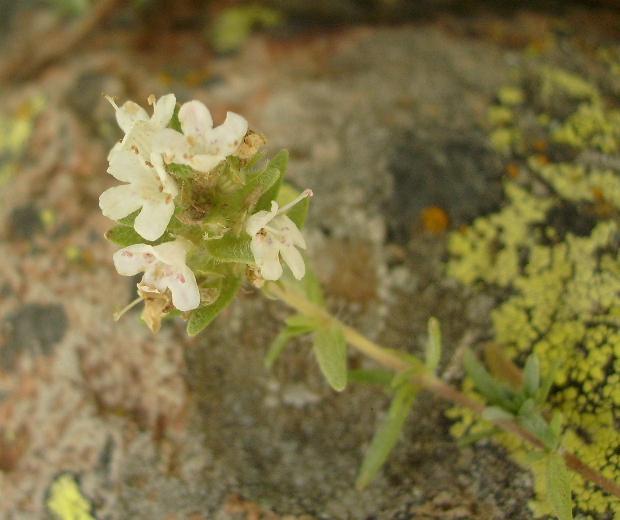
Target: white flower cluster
140,161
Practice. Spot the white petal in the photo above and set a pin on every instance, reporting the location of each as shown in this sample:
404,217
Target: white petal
195,119
115,149
204,163
265,253
170,187
128,114
172,253
119,201
294,260
140,138
270,268
153,219
226,138
172,144
290,231
131,260
163,110
260,219
126,166
184,289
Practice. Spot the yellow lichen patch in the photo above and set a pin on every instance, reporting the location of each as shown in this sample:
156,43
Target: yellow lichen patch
499,115
510,95
591,126
556,81
497,240
577,182
66,501
554,247
505,139
15,131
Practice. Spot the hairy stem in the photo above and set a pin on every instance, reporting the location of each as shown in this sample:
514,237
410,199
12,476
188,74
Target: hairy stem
390,358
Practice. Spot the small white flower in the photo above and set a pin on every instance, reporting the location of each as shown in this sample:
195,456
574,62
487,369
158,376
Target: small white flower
164,268
139,128
274,235
200,145
149,187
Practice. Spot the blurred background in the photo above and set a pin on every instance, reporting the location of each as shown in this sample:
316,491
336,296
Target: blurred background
383,105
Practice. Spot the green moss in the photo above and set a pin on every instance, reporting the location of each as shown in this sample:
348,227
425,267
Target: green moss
553,248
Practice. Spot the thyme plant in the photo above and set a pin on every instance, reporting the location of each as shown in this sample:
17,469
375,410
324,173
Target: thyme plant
201,212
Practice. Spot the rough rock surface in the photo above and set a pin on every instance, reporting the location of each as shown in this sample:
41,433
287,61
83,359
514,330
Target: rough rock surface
381,123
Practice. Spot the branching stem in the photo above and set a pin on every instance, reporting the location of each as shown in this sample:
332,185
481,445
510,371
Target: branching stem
390,359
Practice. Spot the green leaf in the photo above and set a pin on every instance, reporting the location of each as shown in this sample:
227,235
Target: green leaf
330,349
494,391
302,323
532,420
200,261
387,435
534,457
556,424
528,408
181,171
433,344
299,212
202,316
312,287
558,487
309,285
403,378
496,414
175,124
472,438
130,219
547,381
531,376
263,187
277,346
124,236
231,249
371,377
296,325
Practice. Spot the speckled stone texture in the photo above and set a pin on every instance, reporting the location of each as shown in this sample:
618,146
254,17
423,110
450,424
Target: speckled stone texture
380,123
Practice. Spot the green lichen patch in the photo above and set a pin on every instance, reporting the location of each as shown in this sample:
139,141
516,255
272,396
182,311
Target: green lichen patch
553,250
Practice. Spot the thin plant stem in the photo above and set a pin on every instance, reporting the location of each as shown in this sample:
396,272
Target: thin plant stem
391,359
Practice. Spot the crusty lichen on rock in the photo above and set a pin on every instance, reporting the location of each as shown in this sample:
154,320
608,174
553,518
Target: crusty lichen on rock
553,248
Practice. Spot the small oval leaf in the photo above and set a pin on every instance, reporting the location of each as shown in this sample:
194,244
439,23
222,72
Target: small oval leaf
531,376
558,487
202,316
279,165
231,249
124,236
387,435
330,349
262,187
